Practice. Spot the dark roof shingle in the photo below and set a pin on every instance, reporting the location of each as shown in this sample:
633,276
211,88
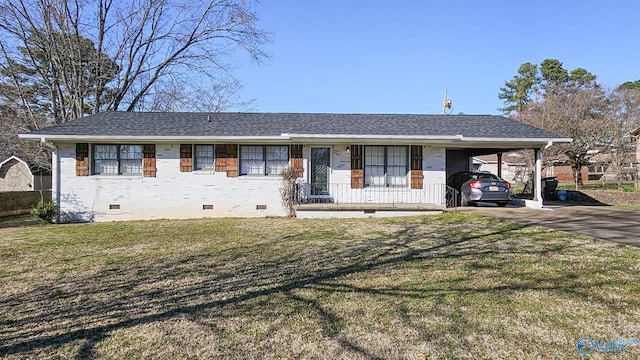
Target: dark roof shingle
167,124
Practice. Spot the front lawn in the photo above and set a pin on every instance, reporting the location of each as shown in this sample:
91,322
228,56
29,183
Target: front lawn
448,286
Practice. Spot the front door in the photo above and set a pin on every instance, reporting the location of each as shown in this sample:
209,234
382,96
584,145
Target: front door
320,162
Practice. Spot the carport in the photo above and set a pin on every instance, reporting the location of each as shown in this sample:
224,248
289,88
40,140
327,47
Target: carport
460,158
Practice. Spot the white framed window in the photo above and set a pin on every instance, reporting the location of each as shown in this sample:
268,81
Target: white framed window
397,168
386,165
374,166
251,160
276,159
117,159
263,159
204,157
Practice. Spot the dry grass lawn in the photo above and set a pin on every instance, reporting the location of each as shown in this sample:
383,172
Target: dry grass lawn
447,286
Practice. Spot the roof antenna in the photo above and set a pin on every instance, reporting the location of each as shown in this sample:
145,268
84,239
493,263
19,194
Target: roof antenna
446,104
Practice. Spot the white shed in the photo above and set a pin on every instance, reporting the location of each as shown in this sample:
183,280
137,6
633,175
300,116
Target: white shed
17,175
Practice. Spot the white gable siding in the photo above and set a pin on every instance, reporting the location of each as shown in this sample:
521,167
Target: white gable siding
171,194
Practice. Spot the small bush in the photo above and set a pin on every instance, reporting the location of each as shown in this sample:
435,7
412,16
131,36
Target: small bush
45,211
628,189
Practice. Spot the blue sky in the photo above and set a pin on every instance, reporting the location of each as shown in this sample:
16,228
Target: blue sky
400,56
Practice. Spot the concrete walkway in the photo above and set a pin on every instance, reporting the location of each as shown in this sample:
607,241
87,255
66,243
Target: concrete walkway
621,225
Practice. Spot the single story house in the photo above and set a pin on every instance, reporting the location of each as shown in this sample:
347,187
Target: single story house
602,167
144,165
18,175
558,166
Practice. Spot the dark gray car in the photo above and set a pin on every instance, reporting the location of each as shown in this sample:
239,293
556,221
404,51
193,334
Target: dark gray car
480,186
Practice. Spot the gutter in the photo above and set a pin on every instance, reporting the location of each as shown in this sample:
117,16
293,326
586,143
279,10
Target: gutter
365,136
142,138
292,137
518,140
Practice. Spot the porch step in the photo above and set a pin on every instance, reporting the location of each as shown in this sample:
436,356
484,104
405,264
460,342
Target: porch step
329,210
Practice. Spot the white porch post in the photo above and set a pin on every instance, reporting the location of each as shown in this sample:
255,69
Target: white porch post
537,185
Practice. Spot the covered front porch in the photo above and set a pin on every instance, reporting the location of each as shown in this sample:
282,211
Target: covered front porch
341,200
317,195
390,196
330,210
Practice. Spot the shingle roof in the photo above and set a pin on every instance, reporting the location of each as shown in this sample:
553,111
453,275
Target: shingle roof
165,124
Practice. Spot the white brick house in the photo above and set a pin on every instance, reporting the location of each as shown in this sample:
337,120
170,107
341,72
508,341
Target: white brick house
124,165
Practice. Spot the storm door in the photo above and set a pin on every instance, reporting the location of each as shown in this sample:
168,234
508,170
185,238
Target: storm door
319,177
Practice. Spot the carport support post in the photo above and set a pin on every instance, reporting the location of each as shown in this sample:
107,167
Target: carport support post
499,165
537,184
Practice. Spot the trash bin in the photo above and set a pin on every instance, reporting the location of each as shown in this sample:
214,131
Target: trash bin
549,186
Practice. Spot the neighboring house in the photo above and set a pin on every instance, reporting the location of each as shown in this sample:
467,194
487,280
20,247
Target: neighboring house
515,167
558,167
601,167
127,165
17,175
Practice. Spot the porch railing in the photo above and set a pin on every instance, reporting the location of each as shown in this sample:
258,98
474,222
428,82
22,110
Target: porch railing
430,194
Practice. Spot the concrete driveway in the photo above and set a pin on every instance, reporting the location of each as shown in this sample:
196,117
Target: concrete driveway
621,225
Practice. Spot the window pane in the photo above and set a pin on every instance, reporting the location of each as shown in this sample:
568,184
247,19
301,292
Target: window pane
374,155
277,159
374,165
106,167
105,152
131,152
251,160
396,165
105,159
397,156
204,157
131,166
131,159
396,176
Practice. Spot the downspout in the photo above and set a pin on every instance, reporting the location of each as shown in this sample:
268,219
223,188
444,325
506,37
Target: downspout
55,175
549,144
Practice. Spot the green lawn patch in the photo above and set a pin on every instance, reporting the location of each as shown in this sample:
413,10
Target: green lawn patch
449,286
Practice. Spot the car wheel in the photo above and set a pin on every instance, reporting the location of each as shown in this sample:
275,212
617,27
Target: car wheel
502,203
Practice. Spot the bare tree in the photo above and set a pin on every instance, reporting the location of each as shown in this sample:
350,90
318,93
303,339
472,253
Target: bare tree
579,113
12,124
573,104
134,45
173,95
62,59
624,113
